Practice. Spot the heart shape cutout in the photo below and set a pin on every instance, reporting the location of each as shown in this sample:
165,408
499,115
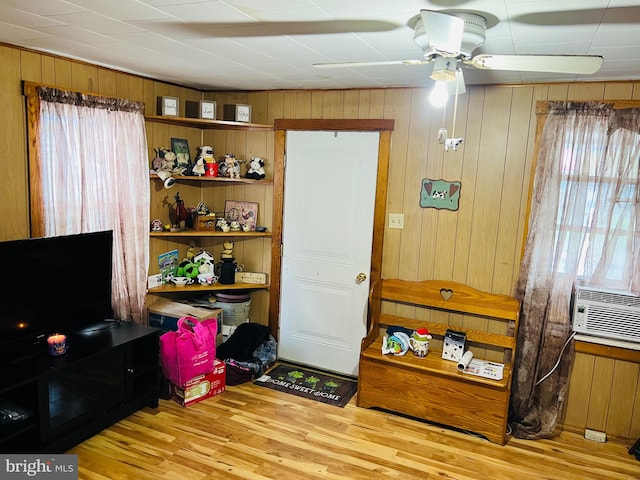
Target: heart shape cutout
446,294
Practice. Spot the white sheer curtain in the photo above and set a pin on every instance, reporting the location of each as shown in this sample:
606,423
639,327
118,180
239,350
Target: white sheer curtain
613,254
95,176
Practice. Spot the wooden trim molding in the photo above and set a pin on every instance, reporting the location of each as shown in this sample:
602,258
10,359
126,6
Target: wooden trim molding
385,128
616,353
356,125
36,210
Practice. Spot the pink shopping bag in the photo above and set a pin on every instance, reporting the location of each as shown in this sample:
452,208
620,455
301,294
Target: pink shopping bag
190,351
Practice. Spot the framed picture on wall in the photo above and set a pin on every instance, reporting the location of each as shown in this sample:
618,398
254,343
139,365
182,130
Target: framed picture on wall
180,147
245,213
168,106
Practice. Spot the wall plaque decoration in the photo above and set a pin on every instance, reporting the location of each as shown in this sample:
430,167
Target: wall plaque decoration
440,194
237,113
205,109
168,106
245,213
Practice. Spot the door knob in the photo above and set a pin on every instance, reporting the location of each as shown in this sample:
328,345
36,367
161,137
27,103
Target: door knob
361,277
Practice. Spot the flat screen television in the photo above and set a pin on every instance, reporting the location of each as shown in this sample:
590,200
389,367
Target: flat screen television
53,285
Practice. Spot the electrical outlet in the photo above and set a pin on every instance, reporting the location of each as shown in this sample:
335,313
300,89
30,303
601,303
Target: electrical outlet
396,220
595,435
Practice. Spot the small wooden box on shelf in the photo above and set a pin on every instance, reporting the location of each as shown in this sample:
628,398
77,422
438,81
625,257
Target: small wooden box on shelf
204,223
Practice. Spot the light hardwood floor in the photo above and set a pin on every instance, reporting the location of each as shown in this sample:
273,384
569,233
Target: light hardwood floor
251,432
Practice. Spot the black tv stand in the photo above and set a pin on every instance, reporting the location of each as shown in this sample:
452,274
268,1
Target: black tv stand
107,374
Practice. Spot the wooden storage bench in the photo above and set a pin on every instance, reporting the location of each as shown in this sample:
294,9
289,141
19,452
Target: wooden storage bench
432,388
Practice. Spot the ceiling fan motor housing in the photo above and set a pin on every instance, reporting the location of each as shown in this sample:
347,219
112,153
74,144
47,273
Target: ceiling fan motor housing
475,28
474,34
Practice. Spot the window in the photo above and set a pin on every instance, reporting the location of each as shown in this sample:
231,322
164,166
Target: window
89,172
596,222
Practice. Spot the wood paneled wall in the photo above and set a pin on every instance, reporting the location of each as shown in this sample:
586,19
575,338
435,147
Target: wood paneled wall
480,244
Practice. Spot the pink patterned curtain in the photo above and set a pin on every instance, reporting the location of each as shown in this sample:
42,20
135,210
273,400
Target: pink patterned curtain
95,176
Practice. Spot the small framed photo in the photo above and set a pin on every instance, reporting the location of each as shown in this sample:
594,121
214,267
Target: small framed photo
205,109
208,109
245,213
237,112
180,146
168,106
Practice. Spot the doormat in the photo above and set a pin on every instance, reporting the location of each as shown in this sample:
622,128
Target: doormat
325,388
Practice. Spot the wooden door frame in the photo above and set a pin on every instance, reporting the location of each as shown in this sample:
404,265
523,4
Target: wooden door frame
385,127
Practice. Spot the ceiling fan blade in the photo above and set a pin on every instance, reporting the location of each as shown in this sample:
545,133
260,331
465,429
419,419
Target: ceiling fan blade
573,64
589,16
369,64
266,29
443,31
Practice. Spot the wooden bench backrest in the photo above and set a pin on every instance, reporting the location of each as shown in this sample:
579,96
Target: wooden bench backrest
453,297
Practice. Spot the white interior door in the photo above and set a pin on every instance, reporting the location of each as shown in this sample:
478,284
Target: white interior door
329,196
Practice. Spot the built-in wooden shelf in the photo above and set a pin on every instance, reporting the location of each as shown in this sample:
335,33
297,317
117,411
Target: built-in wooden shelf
205,233
170,288
203,178
208,124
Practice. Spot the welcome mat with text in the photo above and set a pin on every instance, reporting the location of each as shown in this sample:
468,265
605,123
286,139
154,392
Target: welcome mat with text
304,383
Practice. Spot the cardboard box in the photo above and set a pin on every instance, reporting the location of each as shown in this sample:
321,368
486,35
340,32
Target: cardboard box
200,387
164,314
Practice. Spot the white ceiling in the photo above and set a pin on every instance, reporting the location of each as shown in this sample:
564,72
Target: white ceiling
182,41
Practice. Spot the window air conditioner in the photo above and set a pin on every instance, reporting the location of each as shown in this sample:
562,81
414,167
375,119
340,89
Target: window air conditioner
606,313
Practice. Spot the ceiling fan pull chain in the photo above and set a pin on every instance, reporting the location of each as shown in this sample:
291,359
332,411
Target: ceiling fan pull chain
455,111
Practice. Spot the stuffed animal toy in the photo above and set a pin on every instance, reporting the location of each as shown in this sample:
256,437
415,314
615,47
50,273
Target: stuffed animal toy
157,162
165,160
170,160
187,269
256,169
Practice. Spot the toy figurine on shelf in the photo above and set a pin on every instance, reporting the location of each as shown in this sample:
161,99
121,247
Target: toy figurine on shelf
182,215
256,169
229,167
199,167
162,161
191,251
204,157
227,251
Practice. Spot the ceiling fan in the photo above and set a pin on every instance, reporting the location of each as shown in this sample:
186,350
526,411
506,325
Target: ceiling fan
448,39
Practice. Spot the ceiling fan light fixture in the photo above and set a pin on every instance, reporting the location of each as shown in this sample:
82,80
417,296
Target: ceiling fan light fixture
444,69
439,94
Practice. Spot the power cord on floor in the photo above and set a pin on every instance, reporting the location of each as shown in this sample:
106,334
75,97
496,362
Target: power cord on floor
553,369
